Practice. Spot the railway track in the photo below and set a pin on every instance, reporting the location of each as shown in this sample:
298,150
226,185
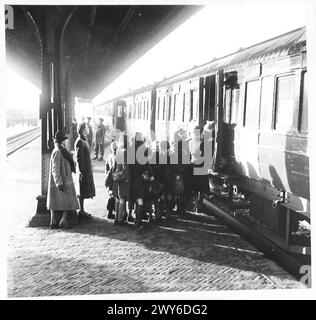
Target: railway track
19,140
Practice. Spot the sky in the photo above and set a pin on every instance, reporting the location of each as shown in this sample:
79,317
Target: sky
214,31
20,93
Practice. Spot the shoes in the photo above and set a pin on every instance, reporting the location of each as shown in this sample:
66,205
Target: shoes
64,225
111,216
94,158
85,214
131,219
54,226
100,159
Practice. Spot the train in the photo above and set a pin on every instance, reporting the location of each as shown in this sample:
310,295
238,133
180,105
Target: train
257,99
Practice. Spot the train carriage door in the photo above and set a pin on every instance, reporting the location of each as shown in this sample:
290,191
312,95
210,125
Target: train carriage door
217,154
248,135
209,98
208,103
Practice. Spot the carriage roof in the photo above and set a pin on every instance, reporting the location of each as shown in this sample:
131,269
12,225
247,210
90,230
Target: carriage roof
283,45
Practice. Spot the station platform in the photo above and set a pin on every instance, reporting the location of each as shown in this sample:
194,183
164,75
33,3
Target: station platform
193,252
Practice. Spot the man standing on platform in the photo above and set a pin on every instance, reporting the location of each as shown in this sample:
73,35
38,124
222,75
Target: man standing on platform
99,140
90,133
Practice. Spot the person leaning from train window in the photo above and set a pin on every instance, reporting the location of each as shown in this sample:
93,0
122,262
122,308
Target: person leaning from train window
99,140
200,184
61,194
121,180
86,182
90,132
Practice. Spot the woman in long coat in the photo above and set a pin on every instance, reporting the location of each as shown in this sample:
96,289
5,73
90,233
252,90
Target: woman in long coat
86,182
61,194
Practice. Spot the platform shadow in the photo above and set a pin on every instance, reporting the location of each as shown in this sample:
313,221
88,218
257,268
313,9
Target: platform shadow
199,237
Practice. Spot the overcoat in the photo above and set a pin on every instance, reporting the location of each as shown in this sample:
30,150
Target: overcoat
86,181
138,185
60,174
121,188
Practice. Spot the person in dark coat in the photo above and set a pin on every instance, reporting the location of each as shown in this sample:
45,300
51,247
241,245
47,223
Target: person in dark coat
61,194
180,170
86,181
138,171
200,185
168,172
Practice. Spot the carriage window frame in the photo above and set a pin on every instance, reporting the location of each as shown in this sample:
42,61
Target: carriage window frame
168,116
144,111
158,108
175,102
183,107
258,81
227,104
147,106
194,108
275,127
303,102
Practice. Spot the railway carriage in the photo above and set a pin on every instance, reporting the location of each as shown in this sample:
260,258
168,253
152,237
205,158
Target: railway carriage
257,98
141,108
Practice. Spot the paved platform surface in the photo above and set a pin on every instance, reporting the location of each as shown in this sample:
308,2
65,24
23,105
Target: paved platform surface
194,252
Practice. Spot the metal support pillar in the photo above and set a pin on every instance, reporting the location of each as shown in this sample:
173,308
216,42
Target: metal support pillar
52,113
49,114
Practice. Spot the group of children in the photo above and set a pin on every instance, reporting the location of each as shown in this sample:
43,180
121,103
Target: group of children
156,189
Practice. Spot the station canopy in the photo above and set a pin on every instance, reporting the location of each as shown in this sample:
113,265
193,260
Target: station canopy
98,43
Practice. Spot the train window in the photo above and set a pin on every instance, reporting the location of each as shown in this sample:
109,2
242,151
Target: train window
144,111
158,108
267,88
234,105
195,104
147,110
138,110
183,109
163,108
304,106
227,105
120,111
174,107
284,106
251,111
169,109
